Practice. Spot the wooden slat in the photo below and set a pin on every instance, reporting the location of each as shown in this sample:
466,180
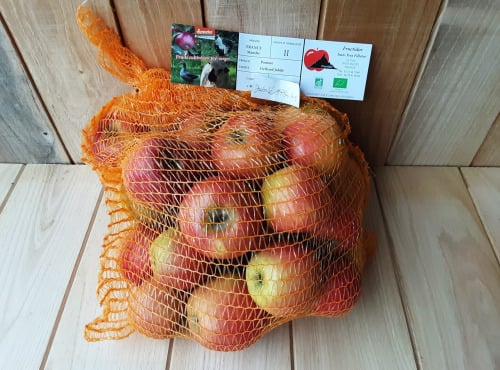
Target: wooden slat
62,63
269,353
26,135
8,173
399,31
489,152
293,18
42,228
374,335
146,26
484,187
448,271
69,349
458,95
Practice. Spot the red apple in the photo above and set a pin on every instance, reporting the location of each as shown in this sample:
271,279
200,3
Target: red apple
154,310
351,184
185,40
247,146
342,289
223,317
222,218
175,263
315,141
296,199
346,229
134,256
284,279
160,170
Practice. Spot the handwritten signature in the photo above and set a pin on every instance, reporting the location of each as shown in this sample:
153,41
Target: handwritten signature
273,91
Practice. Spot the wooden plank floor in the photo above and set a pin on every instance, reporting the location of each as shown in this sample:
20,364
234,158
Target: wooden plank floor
431,296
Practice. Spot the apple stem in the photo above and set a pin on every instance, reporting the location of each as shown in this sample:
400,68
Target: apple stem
218,218
237,136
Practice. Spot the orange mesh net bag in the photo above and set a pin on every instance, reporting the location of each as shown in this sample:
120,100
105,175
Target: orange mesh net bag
229,216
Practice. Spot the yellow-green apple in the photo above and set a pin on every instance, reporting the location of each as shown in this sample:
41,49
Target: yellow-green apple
341,290
247,146
134,261
222,316
175,263
284,279
160,170
316,141
154,310
222,218
296,199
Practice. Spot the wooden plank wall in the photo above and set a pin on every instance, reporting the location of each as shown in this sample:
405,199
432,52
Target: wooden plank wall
433,91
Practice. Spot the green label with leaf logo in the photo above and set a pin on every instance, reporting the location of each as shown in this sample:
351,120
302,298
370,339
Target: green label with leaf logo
340,83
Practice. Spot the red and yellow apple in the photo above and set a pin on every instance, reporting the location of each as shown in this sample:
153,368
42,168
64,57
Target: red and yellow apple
247,146
159,171
154,310
222,316
175,263
296,199
222,218
134,259
341,290
284,279
316,141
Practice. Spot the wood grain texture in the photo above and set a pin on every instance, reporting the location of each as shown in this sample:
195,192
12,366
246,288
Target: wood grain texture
489,152
69,349
458,95
484,187
62,63
26,134
448,272
8,173
42,228
293,18
399,31
269,353
146,26
374,335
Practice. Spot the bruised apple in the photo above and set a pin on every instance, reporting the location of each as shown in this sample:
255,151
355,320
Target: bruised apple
222,218
284,279
342,289
296,199
175,263
160,170
134,261
317,141
154,310
222,316
247,146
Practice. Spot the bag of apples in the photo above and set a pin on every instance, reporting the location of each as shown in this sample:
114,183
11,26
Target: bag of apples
229,216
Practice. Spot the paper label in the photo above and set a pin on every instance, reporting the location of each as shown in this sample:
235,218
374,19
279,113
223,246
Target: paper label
280,91
265,64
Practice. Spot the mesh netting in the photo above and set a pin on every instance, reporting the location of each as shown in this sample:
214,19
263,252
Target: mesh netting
229,216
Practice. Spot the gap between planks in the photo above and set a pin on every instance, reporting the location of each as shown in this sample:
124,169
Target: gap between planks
71,280
397,273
